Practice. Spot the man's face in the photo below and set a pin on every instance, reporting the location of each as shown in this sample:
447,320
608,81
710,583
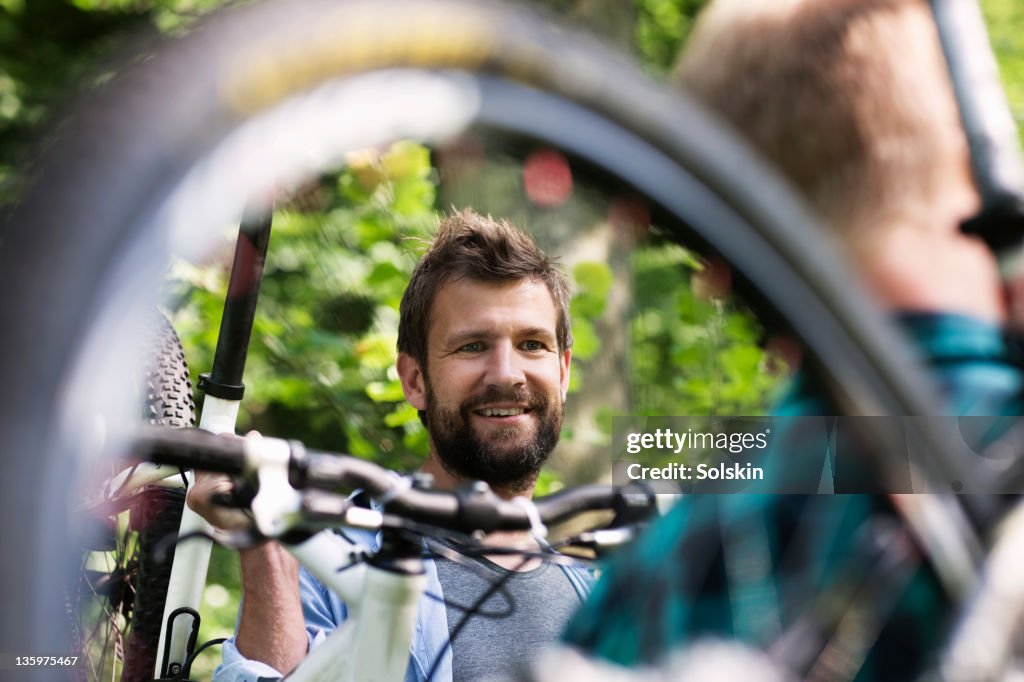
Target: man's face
495,380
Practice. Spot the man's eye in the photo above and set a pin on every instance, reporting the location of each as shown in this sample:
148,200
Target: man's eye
533,345
474,347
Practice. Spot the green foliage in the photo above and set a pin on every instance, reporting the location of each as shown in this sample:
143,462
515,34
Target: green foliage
53,50
592,282
662,26
321,364
691,355
1005,19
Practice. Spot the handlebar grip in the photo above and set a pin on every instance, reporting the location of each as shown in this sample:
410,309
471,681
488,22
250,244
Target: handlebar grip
190,449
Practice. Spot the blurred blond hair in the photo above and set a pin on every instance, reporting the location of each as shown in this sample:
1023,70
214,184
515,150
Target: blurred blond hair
850,98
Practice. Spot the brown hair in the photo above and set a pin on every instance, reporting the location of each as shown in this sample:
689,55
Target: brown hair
471,246
851,99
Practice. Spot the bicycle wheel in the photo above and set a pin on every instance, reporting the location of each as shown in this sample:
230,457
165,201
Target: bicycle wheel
268,95
117,603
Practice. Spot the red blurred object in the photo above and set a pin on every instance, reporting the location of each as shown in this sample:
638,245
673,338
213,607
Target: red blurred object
461,159
547,178
630,216
714,281
784,354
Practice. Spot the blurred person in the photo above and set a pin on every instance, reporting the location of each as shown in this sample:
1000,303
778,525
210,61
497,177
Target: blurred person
851,99
484,345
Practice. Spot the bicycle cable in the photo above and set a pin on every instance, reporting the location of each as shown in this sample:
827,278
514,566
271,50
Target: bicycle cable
186,670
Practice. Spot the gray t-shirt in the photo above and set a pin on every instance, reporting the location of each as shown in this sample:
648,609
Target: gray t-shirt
513,625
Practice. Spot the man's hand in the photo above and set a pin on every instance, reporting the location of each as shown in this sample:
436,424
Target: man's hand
200,498
209,485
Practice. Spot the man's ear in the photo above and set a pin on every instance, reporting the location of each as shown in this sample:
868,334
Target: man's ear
564,372
413,382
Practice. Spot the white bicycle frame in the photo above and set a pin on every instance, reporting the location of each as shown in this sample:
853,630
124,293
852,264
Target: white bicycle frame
191,559
373,643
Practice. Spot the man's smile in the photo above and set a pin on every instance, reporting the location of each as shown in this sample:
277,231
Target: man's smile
503,414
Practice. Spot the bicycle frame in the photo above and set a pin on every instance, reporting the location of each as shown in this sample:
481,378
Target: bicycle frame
191,559
373,643
224,390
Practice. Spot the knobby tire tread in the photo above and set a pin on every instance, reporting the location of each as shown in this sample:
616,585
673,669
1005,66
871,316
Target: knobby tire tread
168,401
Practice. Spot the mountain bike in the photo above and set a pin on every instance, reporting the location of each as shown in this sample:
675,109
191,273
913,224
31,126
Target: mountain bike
265,97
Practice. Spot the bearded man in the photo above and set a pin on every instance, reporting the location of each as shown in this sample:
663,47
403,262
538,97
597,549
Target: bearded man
484,347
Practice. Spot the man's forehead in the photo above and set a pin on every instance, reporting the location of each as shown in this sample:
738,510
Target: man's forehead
467,303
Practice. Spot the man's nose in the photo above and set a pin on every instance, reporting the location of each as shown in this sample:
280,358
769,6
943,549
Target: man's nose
504,367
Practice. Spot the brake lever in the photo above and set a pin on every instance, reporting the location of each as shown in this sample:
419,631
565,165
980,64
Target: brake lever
276,507
603,539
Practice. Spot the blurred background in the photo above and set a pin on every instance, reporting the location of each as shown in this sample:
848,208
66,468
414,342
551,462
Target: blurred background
321,364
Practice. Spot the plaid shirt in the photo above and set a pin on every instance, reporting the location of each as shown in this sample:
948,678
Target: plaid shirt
754,567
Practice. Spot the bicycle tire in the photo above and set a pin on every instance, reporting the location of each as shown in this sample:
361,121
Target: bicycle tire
169,402
135,590
168,112
156,515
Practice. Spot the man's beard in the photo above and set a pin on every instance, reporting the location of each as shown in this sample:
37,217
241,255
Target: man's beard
498,460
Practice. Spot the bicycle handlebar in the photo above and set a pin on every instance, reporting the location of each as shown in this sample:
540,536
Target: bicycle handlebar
470,508
191,449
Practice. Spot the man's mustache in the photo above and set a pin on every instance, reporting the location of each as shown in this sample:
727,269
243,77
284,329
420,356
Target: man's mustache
493,394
